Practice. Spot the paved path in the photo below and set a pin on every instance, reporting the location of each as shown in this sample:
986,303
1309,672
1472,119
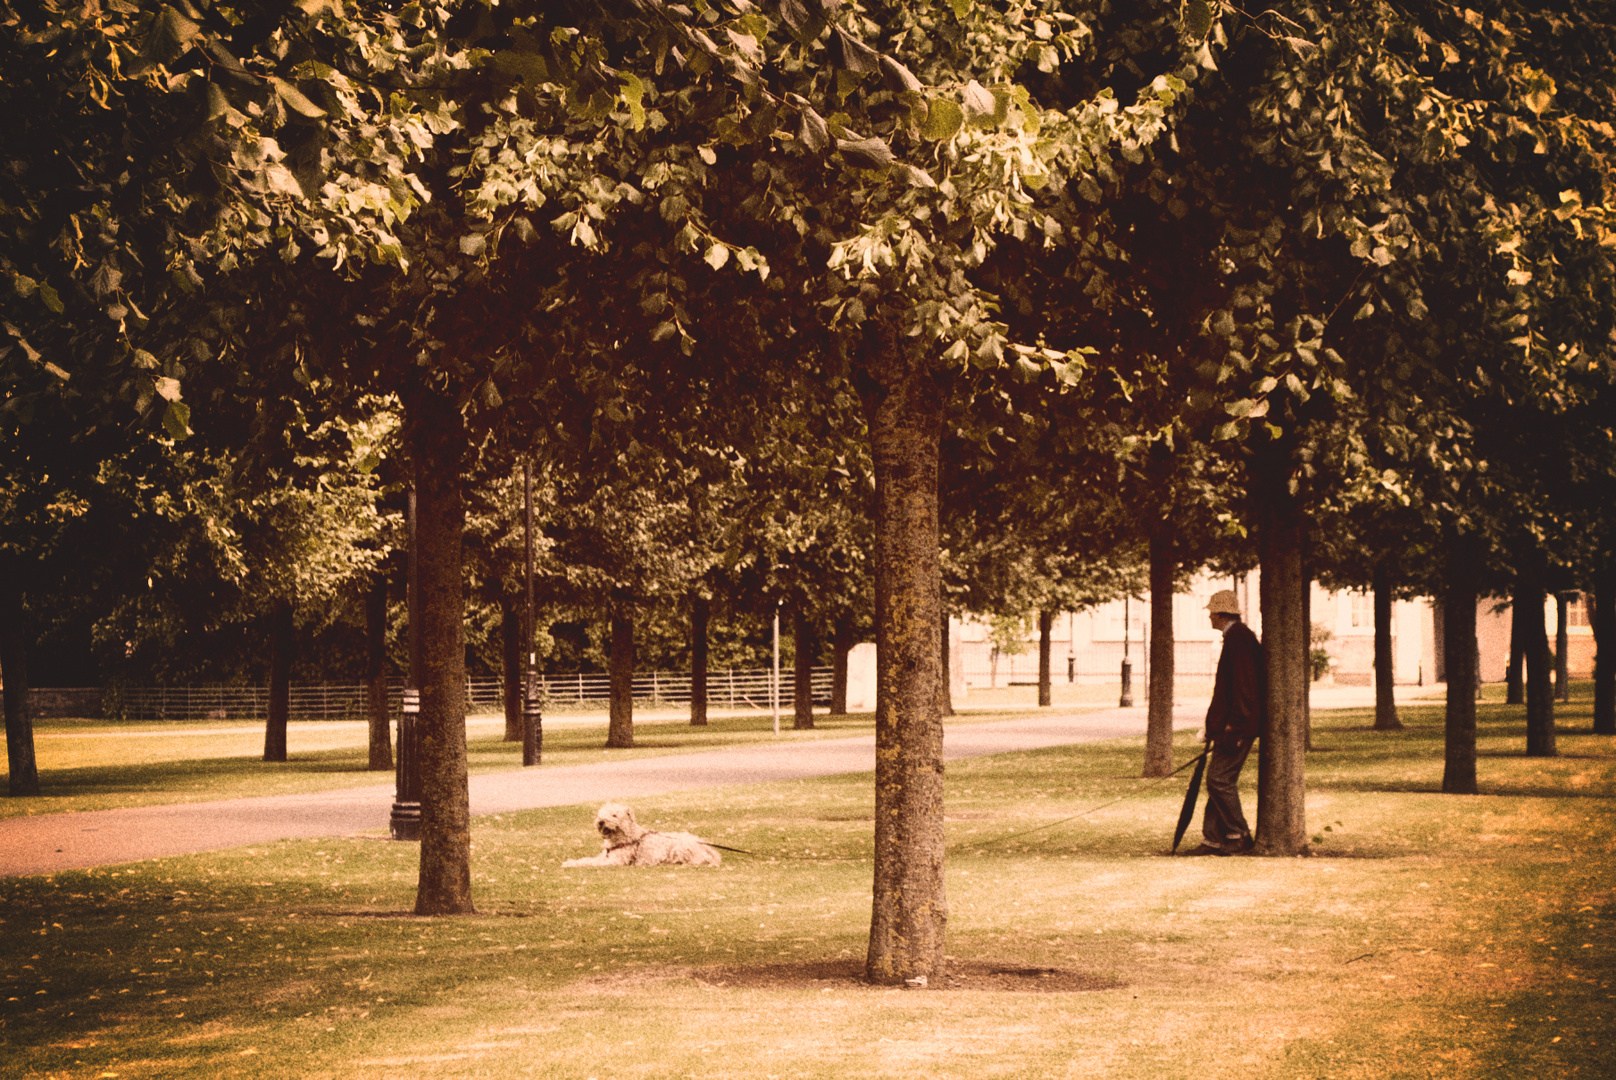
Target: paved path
46,843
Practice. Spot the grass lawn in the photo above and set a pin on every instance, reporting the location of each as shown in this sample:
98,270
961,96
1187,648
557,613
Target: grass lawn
1431,936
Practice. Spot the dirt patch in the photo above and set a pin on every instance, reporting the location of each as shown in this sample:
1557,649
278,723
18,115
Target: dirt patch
849,974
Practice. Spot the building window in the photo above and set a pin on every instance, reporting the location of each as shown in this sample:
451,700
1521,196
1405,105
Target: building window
1577,613
1361,610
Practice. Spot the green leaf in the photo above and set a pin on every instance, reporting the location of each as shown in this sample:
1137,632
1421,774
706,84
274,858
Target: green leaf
916,176
1195,19
218,104
634,97
168,389
171,36
851,54
871,153
898,77
961,8
294,99
943,120
980,104
1537,92
812,131
50,297
24,285
177,420
716,256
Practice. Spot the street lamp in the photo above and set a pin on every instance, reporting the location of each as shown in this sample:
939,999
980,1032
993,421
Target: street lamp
1127,664
532,718
405,821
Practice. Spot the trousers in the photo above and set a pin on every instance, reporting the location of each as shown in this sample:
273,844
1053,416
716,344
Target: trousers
1225,823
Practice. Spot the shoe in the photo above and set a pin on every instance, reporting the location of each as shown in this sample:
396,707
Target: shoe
1208,849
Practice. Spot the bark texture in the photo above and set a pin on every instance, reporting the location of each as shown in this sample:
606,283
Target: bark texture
280,679
23,780
1514,686
1281,764
802,670
510,647
1539,664
909,909
381,742
1159,714
437,446
1459,665
841,645
620,689
1604,626
1046,689
701,617
1385,671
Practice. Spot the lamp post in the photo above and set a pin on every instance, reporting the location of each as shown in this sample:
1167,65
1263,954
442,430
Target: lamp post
532,718
1127,665
774,682
405,821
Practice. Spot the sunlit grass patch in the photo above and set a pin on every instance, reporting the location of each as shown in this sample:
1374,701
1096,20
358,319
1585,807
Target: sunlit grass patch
1465,937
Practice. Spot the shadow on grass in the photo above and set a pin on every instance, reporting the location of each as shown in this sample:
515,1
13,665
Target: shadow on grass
195,773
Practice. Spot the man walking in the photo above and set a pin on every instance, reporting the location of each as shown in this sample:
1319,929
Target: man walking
1233,722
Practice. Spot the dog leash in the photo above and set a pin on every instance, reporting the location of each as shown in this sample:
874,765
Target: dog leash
1154,780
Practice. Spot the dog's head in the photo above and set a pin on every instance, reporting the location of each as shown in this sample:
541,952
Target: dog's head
616,823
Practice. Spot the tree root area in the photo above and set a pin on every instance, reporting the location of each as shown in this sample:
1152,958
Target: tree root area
849,974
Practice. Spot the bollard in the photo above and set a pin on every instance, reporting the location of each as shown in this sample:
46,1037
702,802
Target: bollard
532,724
1127,684
405,822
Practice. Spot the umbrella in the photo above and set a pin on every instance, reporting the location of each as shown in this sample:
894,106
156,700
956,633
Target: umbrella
1190,797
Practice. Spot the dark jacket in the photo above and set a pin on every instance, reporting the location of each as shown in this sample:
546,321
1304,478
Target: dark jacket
1240,694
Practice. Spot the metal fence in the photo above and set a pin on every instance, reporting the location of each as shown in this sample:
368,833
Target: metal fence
727,688
1097,662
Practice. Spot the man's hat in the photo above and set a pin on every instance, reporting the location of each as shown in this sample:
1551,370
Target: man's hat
1224,602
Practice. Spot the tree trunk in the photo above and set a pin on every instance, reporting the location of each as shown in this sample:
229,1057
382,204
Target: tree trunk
1603,618
1281,792
1514,687
1385,700
510,642
280,679
1439,641
1307,655
945,688
24,776
437,447
1562,672
1159,721
620,726
802,670
909,908
1535,650
381,743
1046,624
841,645
701,617
1458,658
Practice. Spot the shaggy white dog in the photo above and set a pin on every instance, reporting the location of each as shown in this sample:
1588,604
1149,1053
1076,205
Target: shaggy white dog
628,843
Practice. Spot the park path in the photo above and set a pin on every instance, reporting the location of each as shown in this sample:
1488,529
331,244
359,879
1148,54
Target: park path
47,843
